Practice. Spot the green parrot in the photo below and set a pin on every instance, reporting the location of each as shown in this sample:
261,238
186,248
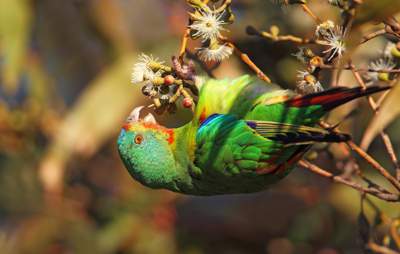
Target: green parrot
244,136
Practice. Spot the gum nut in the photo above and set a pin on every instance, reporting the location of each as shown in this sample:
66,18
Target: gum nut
169,80
187,102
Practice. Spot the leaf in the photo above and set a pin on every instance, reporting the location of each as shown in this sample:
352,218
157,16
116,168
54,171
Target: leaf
15,19
388,112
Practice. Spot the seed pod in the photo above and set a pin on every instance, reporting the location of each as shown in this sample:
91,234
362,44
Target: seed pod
187,102
169,80
396,51
384,76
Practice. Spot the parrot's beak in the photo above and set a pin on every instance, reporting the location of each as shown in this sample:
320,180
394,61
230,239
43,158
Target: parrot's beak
134,116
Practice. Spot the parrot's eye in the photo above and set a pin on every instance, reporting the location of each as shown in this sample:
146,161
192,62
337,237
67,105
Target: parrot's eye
138,139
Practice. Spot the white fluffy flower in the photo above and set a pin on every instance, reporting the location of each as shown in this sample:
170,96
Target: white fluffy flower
208,25
141,70
335,41
387,52
215,53
308,83
379,66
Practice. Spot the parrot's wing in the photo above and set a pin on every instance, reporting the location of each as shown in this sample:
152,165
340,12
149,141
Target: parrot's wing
292,134
234,146
227,145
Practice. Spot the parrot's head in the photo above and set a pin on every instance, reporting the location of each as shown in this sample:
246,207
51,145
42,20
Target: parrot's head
145,148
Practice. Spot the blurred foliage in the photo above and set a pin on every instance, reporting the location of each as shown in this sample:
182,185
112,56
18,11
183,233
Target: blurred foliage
388,113
64,93
15,28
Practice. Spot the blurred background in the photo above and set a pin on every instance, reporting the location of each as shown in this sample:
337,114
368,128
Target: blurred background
64,93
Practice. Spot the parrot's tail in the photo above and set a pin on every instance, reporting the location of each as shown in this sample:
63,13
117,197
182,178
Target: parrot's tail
311,138
334,97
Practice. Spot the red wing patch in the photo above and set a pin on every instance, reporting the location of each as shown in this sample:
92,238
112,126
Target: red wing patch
270,168
203,116
278,169
320,100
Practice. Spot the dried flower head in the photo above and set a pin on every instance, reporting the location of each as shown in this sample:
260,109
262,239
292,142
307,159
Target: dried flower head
308,83
391,50
142,70
379,69
324,29
304,54
207,24
215,52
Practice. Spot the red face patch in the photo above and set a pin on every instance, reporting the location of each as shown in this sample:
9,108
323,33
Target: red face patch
126,126
156,127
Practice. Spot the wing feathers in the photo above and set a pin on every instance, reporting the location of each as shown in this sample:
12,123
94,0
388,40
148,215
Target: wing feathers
295,134
334,97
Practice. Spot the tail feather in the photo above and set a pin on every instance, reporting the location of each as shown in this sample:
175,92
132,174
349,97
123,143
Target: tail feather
334,97
330,137
295,134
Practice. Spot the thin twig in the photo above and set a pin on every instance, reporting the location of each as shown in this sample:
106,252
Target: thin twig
391,197
385,137
223,6
374,164
373,35
277,38
307,10
382,98
350,68
184,42
245,58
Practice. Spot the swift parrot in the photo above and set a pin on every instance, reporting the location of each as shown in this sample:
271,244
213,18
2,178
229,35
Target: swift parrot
244,136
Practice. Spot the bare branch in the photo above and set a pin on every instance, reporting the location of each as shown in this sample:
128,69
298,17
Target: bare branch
391,197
